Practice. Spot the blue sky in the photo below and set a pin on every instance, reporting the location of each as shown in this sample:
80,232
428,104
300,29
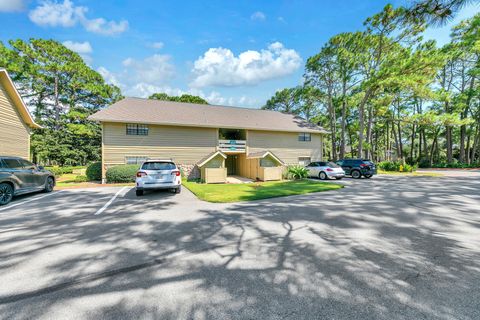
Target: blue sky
230,52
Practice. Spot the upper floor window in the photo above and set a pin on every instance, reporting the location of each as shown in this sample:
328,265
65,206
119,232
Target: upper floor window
134,129
303,136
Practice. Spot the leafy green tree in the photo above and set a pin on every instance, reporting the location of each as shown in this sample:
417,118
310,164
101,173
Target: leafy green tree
437,12
285,100
62,91
188,98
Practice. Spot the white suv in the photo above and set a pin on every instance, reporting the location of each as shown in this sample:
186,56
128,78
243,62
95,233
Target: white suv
158,174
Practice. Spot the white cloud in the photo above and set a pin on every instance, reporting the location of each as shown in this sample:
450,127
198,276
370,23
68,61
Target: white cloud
78,47
66,14
11,5
258,16
156,69
143,89
101,26
220,67
141,78
157,45
82,48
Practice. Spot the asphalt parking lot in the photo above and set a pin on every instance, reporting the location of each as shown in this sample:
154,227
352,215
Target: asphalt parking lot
386,248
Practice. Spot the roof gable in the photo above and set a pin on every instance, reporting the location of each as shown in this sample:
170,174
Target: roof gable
136,110
17,100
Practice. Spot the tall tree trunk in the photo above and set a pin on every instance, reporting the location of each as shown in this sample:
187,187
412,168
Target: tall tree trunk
333,123
397,147
387,143
368,153
361,125
433,147
412,147
342,138
476,142
57,105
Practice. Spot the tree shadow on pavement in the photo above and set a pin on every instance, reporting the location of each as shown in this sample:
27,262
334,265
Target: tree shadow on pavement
397,249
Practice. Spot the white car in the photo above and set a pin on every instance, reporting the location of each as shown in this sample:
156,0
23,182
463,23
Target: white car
325,170
158,174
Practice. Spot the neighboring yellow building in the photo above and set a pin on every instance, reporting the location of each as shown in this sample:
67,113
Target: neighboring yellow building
205,140
16,122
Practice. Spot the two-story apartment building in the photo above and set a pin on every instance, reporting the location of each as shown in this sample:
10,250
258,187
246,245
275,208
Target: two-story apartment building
16,123
235,141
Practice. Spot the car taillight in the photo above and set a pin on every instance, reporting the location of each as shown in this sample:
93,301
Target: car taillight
141,174
176,173
363,165
329,169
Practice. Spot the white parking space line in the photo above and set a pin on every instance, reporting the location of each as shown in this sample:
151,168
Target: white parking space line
30,200
109,202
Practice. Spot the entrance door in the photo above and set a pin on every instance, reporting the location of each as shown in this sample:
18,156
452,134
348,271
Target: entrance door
231,164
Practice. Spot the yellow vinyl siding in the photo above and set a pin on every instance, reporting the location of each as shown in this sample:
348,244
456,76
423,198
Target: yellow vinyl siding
184,145
285,145
15,134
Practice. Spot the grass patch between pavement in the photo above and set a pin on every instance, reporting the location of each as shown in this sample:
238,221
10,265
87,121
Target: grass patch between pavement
256,190
418,174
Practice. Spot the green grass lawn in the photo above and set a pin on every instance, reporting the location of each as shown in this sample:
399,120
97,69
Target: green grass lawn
418,174
257,190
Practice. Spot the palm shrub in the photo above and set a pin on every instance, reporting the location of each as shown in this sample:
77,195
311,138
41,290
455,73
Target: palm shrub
297,172
94,171
122,173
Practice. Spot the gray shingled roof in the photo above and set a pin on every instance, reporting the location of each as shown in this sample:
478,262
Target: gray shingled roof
136,110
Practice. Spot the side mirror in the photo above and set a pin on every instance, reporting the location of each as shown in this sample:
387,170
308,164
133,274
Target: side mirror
40,168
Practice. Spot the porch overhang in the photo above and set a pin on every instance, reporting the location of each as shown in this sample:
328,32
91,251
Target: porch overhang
263,154
209,157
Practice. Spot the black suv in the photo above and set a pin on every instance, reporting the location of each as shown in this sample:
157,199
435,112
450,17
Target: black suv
358,168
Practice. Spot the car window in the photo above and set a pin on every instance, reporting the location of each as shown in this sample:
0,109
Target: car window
27,164
322,164
12,163
340,163
332,165
313,164
158,166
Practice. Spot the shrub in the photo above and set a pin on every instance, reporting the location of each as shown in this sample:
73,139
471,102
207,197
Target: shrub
297,172
396,166
123,173
57,171
94,171
80,179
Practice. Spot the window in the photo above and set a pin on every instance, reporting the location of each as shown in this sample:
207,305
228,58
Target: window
159,166
27,164
303,161
135,159
12,164
137,129
313,164
303,136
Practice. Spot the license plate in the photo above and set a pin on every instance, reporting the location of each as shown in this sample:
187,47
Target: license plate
160,176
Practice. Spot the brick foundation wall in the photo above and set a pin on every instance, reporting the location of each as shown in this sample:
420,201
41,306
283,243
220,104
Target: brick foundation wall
190,171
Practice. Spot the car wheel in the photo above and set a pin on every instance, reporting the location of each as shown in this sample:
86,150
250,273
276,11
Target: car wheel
6,193
49,184
368,176
322,176
356,174
178,190
139,193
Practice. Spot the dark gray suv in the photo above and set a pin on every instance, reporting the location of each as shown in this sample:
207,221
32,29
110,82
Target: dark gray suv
19,176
